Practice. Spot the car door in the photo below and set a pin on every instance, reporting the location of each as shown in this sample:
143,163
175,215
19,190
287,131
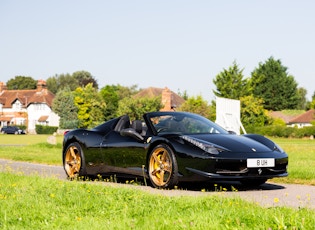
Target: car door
122,154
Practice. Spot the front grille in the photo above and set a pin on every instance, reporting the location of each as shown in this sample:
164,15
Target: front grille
240,169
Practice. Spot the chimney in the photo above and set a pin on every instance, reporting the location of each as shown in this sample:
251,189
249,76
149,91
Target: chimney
167,99
41,86
2,86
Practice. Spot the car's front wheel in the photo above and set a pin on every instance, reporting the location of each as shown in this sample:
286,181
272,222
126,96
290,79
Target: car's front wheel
163,167
74,161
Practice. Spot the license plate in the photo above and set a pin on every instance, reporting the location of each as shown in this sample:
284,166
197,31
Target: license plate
259,163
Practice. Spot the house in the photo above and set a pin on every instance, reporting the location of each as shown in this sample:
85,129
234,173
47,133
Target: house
300,121
169,99
303,120
27,107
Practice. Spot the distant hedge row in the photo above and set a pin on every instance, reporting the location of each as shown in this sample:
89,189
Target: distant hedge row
43,129
283,131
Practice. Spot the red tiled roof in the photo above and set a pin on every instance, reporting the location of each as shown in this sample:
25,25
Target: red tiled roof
6,119
306,117
26,97
155,92
281,115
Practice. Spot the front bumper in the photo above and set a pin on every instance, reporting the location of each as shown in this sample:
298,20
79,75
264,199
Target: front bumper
232,169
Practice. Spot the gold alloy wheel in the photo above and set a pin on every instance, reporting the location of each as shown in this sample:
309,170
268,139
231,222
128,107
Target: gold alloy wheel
72,161
160,167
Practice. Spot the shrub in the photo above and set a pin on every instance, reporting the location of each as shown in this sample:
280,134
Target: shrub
283,131
43,129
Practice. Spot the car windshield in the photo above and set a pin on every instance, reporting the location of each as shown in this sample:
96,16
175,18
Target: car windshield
186,123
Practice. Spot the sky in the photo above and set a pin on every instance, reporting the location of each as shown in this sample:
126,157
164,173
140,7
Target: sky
179,44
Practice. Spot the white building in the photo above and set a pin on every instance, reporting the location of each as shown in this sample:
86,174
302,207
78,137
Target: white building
27,107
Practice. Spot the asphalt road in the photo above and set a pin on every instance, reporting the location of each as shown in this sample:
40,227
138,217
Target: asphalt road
266,195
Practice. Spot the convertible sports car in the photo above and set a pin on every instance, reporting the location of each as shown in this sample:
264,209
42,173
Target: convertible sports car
171,147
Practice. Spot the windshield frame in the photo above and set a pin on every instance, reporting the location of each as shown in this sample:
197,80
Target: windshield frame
182,123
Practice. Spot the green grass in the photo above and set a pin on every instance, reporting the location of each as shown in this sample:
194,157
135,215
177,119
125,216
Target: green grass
301,160
31,148
9,139
32,202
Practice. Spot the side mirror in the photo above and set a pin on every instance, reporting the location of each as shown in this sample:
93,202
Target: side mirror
232,132
129,132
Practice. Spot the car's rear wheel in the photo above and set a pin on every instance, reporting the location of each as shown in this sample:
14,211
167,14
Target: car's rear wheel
163,167
74,161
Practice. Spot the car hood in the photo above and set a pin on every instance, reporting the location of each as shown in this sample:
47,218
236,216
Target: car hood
230,142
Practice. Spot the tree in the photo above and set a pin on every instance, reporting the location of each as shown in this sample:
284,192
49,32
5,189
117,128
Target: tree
63,105
112,94
312,103
302,102
90,106
231,83
84,78
22,82
183,94
196,105
271,82
60,82
253,113
109,93
136,107
71,81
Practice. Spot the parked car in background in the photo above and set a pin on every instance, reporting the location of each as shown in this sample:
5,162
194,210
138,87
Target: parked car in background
12,130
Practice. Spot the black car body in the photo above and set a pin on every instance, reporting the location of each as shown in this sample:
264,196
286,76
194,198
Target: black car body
12,130
170,147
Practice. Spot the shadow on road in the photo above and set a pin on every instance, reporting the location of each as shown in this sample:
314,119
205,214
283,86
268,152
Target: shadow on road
227,186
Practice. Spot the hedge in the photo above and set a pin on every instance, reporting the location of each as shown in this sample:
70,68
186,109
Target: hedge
43,129
283,131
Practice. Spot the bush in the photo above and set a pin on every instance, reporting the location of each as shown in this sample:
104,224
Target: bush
283,131
42,129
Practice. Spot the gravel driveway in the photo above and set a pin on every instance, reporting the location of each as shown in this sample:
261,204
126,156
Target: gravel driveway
267,195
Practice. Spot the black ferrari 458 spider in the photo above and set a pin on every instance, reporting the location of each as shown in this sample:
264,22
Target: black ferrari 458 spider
171,147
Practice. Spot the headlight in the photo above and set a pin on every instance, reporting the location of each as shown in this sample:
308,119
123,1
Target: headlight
212,149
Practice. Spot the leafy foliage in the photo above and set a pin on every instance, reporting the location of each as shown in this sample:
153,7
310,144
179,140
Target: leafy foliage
112,94
271,82
196,105
136,107
302,102
90,106
60,82
231,83
84,78
77,79
63,105
253,112
21,82
43,129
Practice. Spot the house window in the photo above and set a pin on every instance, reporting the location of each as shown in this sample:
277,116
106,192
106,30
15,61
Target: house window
17,106
38,107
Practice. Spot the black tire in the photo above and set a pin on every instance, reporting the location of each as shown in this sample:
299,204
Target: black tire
73,161
253,182
162,167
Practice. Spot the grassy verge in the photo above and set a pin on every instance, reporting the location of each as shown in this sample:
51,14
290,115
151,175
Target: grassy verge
301,160
33,202
28,139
